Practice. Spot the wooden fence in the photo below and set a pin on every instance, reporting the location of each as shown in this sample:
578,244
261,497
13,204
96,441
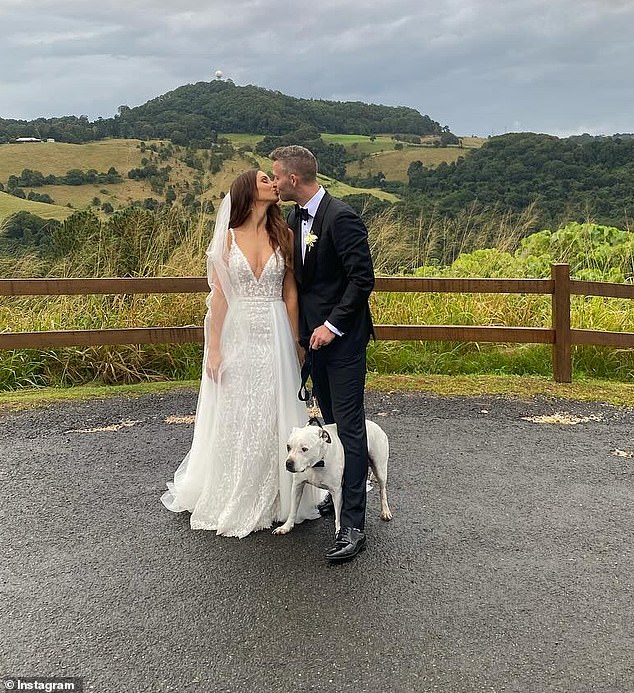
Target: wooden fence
559,286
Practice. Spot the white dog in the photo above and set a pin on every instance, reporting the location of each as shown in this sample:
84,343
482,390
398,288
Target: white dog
316,457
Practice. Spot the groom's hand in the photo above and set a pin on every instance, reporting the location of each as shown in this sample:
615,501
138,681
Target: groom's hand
322,336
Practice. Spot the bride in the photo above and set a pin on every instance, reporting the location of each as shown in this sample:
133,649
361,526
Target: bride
234,480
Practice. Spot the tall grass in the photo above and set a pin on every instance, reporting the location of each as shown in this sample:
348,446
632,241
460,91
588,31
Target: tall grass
594,252
130,244
399,245
140,243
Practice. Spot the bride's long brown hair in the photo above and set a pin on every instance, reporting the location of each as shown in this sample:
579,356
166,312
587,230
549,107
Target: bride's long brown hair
243,194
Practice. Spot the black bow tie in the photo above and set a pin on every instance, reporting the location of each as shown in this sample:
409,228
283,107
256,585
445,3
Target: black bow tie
301,213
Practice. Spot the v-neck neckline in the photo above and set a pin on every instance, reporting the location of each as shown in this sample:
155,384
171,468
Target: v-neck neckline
248,264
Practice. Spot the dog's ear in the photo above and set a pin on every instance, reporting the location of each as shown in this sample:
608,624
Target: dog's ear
324,435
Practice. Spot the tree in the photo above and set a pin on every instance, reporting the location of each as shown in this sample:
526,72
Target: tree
40,197
151,204
74,177
28,229
448,138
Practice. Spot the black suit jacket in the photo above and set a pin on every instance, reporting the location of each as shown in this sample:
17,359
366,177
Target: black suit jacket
336,278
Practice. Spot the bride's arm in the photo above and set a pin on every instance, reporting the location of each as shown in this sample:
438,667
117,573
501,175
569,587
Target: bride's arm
218,311
289,295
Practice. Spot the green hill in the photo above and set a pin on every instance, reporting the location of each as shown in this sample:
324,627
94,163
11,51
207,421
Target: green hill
193,113
197,109
568,179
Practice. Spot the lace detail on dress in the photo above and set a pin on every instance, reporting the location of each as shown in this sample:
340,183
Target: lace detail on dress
244,281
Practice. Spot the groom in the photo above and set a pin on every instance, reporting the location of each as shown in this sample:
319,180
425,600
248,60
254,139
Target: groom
334,274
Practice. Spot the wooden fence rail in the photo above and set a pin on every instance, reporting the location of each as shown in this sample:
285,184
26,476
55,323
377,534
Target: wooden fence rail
560,287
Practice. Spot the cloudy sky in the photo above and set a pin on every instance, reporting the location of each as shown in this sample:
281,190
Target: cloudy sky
479,66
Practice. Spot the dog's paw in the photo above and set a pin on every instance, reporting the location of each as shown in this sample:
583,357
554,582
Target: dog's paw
386,515
282,530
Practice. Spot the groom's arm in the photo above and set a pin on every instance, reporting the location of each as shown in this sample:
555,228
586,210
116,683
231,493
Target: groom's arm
350,239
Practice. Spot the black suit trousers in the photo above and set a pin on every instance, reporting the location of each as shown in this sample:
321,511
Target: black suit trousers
338,376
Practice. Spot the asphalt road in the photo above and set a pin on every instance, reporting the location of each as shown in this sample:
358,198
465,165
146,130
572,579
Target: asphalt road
508,565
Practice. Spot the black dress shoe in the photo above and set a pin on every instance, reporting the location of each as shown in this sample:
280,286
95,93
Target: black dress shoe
326,507
348,544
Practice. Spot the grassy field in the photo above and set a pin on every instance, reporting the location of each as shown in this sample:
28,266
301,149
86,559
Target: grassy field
10,205
339,189
473,142
394,163
80,196
57,158
241,139
360,145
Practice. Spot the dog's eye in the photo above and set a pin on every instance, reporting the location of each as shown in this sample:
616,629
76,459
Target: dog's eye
304,449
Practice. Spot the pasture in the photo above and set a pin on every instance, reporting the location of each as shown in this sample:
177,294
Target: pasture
124,155
394,163
10,205
360,145
57,158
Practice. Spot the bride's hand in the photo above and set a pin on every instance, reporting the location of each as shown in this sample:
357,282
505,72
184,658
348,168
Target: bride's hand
213,364
301,353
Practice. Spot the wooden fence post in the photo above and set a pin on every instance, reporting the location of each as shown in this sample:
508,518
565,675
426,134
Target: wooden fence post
562,357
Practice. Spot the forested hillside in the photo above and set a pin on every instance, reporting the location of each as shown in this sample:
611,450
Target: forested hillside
568,179
194,113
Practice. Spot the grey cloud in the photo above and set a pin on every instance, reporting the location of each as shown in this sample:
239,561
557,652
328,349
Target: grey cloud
479,66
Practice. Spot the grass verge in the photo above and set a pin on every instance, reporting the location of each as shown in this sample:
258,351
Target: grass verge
517,387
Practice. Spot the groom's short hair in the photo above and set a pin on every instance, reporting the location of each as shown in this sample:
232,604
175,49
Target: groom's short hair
298,160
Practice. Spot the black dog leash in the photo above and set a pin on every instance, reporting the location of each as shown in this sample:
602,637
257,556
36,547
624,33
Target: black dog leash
304,393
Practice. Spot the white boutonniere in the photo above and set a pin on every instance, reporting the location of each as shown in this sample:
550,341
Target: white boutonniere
310,240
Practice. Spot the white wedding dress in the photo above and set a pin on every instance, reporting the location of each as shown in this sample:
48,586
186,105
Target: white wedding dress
234,480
